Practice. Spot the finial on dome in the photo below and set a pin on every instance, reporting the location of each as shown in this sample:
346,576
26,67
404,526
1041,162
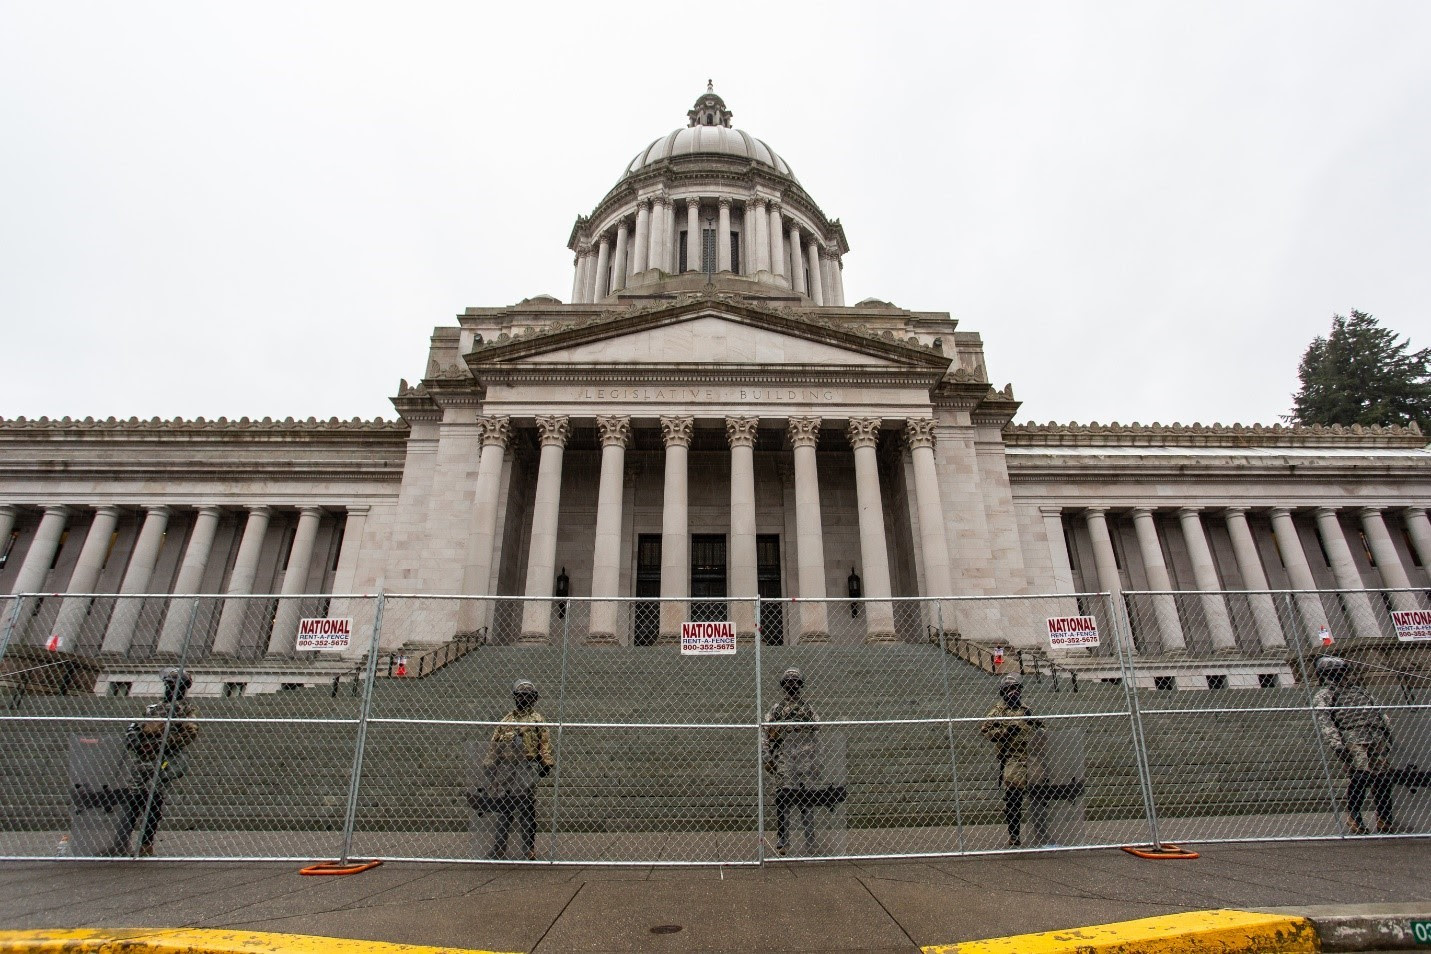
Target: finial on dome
709,109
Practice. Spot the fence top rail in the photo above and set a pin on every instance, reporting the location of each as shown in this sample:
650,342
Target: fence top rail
1324,590
186,718
513,598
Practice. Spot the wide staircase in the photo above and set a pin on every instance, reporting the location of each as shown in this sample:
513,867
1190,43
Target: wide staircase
682,754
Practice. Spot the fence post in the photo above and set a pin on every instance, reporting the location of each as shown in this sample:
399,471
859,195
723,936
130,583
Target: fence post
759,744
159,758
561,725
949,727
1123,639
350,815
1316,731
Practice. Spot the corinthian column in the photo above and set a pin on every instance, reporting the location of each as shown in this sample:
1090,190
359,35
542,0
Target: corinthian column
541,553
797,262
919,436
1294,558
606,569
777,241
284,635
809,535
85,577
1363,620
245,571
618,268
662,225
693,235
1249,567
477,571
1214,602
603,269
31,578
817,277
191,577
723,263
675,527
643,237
863,434
119,634
1165,607
1388,561
757,235
741,433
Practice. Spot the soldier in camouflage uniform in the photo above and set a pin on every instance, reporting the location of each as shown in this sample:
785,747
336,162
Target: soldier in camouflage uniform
1354,727
1016,739
152,754
791,754
517,755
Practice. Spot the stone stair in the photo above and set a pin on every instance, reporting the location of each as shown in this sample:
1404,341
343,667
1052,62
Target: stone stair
291,772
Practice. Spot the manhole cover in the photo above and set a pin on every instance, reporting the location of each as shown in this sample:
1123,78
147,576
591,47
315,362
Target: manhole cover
665,929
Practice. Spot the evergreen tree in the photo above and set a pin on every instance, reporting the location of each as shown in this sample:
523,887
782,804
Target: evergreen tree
1360,374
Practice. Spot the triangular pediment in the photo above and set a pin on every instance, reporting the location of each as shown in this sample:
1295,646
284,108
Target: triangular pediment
709,333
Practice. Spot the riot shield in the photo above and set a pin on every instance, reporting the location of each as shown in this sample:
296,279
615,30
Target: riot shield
814,816
1054,801
99,795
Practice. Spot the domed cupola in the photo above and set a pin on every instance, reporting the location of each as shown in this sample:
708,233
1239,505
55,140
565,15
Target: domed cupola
708,201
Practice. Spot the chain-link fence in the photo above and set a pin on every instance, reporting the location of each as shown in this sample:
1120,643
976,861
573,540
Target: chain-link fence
704,730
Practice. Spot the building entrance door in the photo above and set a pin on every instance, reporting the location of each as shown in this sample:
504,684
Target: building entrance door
646,617
767,581
708,578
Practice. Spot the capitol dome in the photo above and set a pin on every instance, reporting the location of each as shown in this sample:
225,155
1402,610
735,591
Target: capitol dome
708,199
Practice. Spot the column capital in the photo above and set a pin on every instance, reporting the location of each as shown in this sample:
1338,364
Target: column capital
1185,512
615,430
311,510
1234,511
1275,512
1051,511
741,431
757,202
863,431
1324,512
804,431
496,430
676,431
107,510
211,510
644,203
1095,511
155,509
555,429
724,201
794,228
1413,512
357,510
1369,511
621,228
774,205
8,510
693,202
919,432
58,510
583,249
1141,512
260,510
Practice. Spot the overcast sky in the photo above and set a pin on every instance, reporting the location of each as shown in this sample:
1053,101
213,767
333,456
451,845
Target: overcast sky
1146,209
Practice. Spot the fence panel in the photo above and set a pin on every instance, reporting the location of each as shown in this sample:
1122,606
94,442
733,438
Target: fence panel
254,762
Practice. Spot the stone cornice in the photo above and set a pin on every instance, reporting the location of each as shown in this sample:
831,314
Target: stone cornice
809,324
179,425
765,374
1230,436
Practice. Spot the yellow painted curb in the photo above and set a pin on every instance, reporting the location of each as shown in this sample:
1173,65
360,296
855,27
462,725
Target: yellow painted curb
1196,932
194,941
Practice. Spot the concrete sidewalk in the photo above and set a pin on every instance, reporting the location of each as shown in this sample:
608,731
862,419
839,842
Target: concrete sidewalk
838,906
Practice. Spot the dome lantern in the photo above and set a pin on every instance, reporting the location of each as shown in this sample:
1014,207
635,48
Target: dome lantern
710,109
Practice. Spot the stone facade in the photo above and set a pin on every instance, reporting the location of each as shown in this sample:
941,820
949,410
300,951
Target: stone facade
708,381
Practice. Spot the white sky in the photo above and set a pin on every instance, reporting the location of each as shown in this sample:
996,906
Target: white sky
1147,209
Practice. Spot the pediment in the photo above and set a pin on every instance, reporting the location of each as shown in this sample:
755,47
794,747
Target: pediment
711,334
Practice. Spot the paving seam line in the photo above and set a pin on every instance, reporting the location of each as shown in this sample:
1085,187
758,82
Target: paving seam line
1225,931
197,941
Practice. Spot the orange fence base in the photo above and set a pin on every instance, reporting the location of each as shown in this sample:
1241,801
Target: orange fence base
1160,852
336,868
